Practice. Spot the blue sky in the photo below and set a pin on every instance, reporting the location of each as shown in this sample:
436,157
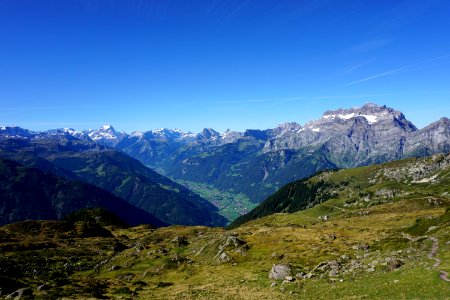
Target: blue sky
238,64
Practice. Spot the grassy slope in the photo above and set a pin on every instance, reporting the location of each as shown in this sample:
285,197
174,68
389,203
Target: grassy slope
158,265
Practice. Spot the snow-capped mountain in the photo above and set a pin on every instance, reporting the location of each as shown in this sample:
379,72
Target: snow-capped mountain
106,135
363,133
15,132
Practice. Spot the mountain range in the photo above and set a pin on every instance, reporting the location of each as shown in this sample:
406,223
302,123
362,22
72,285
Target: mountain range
257,162
249,165
61,154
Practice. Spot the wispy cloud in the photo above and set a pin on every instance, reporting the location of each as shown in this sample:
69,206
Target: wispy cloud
368,46
407,68
267,103
356,67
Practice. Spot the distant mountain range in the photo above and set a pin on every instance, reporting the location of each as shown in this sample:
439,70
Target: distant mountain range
255,163
62,154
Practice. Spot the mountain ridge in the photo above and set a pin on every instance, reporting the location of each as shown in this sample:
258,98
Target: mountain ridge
255,163
29,193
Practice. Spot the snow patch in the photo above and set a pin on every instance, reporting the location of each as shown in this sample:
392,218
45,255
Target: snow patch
370,118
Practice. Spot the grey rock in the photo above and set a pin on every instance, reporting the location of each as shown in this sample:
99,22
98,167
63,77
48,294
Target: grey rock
345,257
114,268
279,271
361,247
44,287
289,278
334,265
21,293
224,257
180,241
393,263
333,273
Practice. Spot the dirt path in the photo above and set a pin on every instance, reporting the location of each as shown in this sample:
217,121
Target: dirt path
432,254
434,249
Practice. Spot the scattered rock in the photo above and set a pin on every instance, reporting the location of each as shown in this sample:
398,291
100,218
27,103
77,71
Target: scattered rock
321,266
386,193
224,257
332,237
289,278
138,247
334,265
279,271
43,287
393,263
324,218
431,228
113,268
361,247
180,241
277,256
20,293
273,284
345,257
333,273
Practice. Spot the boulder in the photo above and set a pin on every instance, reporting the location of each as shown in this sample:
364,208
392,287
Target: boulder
224,257
280,271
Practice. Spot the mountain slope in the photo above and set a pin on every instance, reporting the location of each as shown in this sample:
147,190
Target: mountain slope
361,187
117,173
383,234
28,193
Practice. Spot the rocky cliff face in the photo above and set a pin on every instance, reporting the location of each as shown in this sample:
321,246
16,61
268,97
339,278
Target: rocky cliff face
351,137
434,138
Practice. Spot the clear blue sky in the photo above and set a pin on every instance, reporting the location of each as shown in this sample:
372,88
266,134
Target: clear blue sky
236,64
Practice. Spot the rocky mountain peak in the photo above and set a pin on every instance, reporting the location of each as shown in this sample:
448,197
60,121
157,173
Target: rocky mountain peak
370,111
209,133
15,132
107,135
